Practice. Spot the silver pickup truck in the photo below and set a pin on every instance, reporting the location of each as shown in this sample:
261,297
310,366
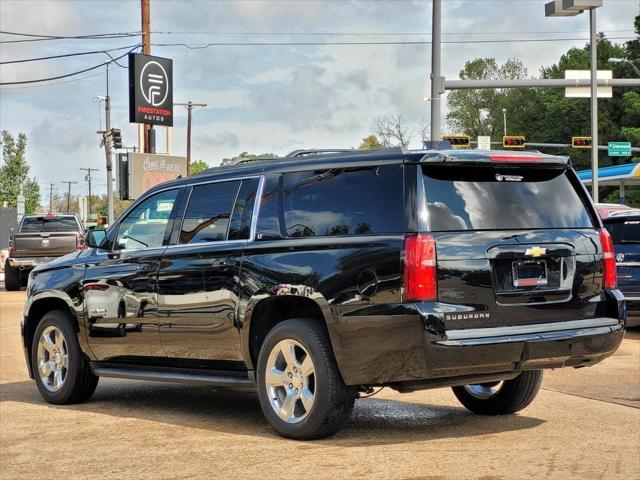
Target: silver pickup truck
39,239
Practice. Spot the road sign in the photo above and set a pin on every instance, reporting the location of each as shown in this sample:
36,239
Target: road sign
619,149
604,91
484,142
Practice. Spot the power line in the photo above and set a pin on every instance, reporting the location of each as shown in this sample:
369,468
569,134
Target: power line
42,38
304,34
403,42
64,55
40,80
20,87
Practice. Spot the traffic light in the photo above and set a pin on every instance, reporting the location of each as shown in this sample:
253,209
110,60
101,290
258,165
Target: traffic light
458,141
116,138
580,142
514,141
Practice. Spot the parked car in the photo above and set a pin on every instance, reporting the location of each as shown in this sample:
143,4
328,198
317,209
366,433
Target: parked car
316,277
625,231
606,209
39,239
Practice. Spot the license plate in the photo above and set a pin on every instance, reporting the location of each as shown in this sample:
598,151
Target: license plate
529,273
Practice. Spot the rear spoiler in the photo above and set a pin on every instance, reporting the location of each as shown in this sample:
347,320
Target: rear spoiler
498,157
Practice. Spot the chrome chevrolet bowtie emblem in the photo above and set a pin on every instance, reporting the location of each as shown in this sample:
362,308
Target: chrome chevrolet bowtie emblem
535,251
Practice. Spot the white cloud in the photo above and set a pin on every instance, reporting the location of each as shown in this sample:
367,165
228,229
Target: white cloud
261,98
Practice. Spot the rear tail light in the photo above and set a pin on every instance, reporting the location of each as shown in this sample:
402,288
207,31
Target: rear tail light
420,282
79,243
610,275
12,247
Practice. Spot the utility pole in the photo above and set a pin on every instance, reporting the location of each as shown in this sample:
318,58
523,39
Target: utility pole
436,67
88,179
190,106
51,196
68,192
107,150
145,9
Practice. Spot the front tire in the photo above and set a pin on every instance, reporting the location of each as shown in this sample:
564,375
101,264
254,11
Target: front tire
500,398
61,371
11,278
300,388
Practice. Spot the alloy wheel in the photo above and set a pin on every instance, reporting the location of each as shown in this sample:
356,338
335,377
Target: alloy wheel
290,381
484,391
53,358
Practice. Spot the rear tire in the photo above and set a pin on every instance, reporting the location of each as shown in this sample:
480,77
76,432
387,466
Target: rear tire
11,278
500,398
61,371
304,397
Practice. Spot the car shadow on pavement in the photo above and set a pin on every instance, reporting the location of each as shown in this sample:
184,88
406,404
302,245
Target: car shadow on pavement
373,422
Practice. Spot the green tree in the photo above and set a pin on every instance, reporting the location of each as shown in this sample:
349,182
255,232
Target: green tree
246,156
198,166
479,112
370,143
14,174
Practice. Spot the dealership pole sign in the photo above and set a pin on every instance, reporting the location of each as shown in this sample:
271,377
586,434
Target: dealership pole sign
150,90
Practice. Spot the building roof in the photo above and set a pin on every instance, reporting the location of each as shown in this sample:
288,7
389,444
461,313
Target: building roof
629,174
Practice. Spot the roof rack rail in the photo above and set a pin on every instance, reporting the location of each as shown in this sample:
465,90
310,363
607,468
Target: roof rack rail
241,160
302,153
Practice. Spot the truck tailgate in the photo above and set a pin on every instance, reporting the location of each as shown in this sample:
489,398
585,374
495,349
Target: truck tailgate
44,244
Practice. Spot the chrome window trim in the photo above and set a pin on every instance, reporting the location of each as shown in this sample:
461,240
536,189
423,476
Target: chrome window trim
256,209
254,217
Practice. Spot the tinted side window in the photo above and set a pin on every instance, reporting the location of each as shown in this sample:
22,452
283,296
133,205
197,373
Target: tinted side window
145,226
240,225
354,201
207,216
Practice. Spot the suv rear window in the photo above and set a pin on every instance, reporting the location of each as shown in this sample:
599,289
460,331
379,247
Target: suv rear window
346,201
53,224
487,198
624,231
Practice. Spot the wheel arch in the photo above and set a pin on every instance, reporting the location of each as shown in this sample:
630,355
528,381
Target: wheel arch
38,307
264,314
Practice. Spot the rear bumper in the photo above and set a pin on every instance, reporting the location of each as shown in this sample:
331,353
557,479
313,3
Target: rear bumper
412,348
28,263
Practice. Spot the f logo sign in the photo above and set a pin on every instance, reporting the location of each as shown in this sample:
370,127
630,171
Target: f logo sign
154,83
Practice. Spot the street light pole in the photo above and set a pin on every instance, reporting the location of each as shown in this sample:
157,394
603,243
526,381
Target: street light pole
436,67
594,105
567,8
629,62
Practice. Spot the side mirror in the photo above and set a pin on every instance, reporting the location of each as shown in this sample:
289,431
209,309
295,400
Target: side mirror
95,238
12,231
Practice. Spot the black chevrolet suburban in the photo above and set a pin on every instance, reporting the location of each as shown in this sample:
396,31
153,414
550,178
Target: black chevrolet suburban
321,275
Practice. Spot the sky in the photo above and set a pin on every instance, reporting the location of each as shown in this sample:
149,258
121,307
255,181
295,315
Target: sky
260,98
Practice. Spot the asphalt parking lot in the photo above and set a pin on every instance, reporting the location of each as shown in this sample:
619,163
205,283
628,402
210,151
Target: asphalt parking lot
584,424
